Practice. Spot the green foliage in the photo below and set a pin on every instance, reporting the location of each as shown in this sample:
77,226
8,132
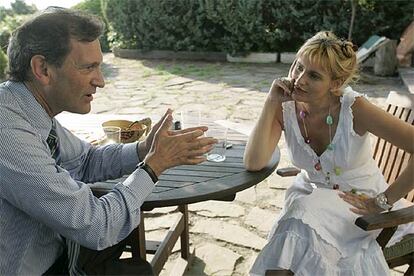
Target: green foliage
386,18
8,25
160,25
20,7
298,20
243,23
3,64
4,12
94,7
12,18
242,26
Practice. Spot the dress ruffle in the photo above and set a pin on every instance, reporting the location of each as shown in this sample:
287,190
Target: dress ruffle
348,100
297,247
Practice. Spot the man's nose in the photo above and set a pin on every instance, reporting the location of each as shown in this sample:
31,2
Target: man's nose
98,80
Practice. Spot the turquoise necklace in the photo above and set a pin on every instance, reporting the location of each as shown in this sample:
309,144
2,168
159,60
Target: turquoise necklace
318,166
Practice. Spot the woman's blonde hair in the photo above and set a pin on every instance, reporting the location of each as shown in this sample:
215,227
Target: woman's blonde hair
336,55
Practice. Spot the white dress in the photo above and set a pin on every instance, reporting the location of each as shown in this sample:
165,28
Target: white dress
315,233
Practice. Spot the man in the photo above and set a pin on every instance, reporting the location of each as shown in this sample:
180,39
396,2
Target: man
46,209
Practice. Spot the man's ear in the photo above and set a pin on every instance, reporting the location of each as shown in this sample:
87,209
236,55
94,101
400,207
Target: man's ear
40,69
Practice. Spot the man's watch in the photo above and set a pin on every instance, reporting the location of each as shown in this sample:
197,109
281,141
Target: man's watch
382,201
147,168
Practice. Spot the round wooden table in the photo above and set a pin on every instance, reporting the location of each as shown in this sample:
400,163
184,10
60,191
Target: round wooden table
206,181
184,185
179,186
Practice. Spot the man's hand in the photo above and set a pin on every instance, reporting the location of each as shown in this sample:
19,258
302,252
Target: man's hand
173,148
144,147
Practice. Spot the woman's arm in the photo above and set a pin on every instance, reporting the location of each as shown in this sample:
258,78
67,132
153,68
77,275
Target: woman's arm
264,137
402,185
266,133
370,118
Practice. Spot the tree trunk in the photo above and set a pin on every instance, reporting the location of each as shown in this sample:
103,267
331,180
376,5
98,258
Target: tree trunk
353,12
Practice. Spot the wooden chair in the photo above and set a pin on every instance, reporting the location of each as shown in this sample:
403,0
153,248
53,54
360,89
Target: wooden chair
391,160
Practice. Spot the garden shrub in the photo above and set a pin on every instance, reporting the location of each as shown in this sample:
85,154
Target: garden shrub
8,25
13,17
242,26
94,7
3,64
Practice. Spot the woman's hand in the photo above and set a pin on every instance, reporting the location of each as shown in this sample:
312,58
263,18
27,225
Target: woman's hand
363,204
282,88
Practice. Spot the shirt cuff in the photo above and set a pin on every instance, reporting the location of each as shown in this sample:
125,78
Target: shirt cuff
138,186
129,157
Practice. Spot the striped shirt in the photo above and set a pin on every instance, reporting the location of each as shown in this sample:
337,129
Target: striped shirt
40,201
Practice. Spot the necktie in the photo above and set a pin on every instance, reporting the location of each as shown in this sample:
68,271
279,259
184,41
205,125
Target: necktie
52,141
72,247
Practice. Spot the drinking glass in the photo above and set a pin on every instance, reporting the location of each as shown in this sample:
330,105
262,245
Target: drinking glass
112,135
218,152
190,118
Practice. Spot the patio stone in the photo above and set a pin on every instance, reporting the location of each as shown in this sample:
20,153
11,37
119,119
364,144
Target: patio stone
261,219
218,260
230,233
165,221
248,196
178,81
163,210
248,263
217,209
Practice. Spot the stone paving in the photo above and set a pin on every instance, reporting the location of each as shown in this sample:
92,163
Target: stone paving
226,236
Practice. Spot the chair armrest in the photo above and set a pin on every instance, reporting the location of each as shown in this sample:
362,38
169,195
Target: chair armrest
386,220
289,171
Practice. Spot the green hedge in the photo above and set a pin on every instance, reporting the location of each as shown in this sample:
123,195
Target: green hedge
95,7
7,25
242,26
3,64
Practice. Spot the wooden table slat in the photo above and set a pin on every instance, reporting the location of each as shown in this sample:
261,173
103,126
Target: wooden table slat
181,178
174,184
197,173
161,189
209,169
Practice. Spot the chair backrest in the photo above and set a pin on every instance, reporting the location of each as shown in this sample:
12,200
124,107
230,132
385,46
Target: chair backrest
391,159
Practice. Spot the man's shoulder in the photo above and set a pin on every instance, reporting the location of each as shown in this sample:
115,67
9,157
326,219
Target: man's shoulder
5,94
11,113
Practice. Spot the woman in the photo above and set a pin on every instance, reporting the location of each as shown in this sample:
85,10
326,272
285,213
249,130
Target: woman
326,126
